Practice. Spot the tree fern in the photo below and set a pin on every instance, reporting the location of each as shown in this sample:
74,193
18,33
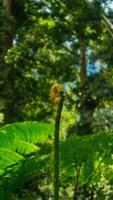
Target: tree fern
21,158
88,157
34,167
22,139
25,156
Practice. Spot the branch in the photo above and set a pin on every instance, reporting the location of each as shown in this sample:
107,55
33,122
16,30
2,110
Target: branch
69,50
108,24
105,20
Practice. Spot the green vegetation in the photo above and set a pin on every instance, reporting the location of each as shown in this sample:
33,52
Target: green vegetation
22,155
26,164
55,144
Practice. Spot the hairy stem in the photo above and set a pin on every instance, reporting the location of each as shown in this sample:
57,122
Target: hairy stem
56,149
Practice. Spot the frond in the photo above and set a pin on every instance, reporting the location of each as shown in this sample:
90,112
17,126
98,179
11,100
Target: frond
8,157
20,139
92,153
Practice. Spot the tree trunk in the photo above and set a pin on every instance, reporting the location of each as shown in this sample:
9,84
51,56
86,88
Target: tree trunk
8,35
8,82
7,6
83,66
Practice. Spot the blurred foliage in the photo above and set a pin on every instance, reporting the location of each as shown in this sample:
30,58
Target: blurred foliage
45,48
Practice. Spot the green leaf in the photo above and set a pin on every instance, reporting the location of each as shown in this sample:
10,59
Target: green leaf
21,139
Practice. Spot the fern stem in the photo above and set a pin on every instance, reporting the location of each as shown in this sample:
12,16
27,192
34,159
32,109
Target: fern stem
56,149
77,183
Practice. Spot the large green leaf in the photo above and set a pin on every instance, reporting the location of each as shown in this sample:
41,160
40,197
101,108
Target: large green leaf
32,132
8,157
19,139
